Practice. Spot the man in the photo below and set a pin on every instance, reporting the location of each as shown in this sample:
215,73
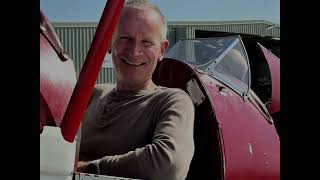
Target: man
138,129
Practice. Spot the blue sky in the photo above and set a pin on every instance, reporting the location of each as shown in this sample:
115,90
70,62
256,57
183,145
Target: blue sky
182,10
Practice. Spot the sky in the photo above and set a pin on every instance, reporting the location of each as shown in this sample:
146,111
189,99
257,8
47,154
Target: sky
174,10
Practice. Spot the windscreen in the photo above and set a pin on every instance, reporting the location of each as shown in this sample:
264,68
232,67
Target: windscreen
199,52
222,57
234,66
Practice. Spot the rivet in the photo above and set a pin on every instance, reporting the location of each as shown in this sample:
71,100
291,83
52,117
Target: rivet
250,148
43,28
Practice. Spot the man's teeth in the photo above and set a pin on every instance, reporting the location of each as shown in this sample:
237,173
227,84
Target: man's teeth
132,63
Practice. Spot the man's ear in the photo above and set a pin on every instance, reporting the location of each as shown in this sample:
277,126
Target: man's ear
164,47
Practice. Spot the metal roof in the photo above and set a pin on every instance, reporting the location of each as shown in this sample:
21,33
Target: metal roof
184,23
221,22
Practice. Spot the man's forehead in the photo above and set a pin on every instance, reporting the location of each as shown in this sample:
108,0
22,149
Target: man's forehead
146,13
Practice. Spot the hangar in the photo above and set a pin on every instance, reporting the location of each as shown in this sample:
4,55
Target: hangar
76,37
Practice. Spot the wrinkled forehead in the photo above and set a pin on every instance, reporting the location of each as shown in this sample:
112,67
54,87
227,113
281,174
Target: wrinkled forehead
139,13
145,19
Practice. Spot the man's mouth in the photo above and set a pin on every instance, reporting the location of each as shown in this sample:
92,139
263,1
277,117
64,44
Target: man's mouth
132,63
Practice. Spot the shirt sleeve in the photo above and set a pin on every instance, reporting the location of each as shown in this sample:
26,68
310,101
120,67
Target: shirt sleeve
170,153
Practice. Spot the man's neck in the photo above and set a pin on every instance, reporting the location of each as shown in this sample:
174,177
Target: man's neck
150,86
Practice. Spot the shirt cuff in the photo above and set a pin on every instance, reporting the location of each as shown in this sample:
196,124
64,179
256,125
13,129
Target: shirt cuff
104,165
93,167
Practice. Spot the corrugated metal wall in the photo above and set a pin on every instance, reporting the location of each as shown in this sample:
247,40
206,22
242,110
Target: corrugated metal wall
177,30
76,37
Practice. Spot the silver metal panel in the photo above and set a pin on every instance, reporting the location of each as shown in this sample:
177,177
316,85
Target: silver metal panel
85,176
195,92
56,155
54,177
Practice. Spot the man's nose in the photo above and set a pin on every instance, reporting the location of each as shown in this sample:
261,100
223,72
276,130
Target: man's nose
135,49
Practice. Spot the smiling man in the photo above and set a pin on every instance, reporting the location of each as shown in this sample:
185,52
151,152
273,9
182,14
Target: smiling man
138,43
138,129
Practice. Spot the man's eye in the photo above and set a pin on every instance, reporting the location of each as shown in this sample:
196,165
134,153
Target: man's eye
147,43
124,39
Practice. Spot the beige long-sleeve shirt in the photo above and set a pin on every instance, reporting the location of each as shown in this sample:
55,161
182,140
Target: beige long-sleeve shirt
138,134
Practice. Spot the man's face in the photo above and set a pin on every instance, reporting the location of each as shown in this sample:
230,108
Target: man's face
137,46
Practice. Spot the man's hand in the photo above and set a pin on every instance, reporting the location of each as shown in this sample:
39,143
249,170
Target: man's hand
88,167
82,165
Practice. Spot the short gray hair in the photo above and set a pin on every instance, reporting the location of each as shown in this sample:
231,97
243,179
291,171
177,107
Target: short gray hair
148,4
